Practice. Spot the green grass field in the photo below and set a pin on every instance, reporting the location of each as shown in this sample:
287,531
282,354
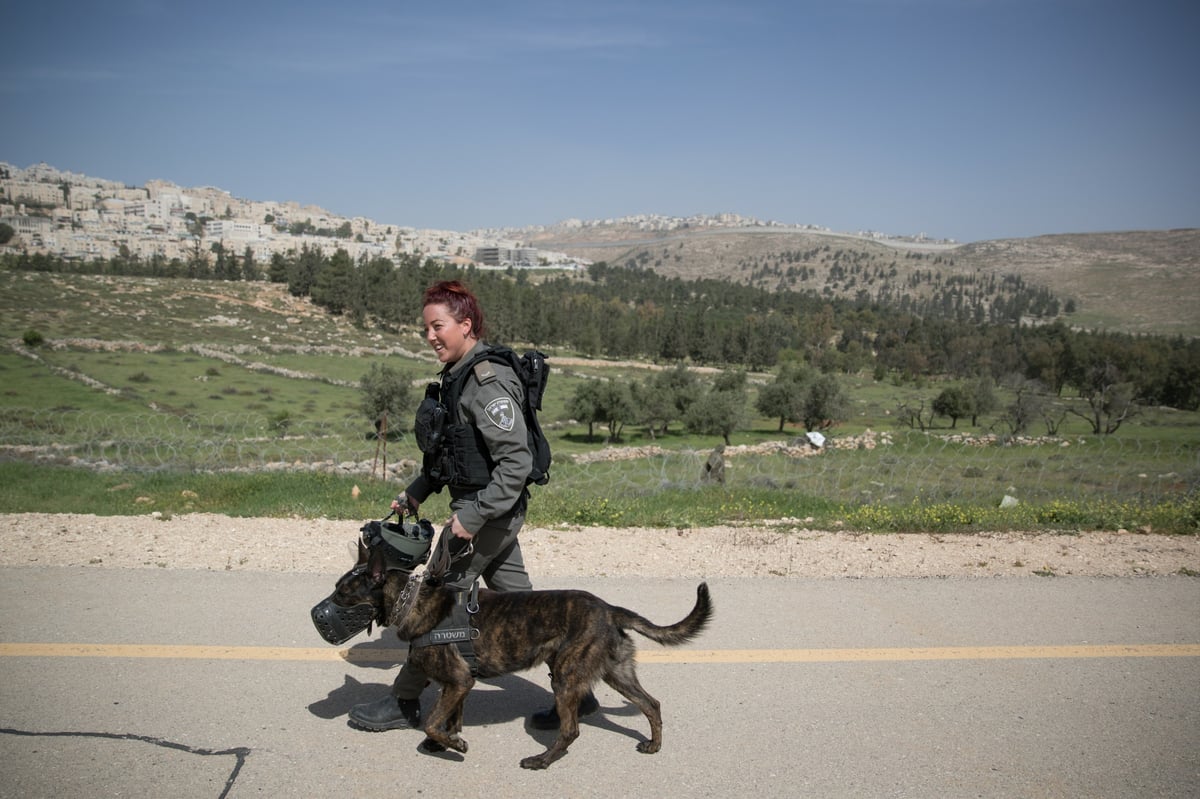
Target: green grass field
180,399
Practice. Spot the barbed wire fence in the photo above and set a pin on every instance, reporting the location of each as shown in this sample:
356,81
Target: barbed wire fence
880,468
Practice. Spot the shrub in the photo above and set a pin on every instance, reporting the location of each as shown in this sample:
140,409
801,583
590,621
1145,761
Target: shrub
280,422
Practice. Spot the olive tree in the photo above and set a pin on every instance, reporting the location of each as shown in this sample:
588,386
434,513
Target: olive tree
386,394
953,402
825,403
720,410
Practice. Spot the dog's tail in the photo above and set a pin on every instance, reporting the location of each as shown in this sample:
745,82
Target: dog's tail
675,634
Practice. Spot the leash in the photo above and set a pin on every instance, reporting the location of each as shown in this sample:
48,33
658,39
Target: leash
448,549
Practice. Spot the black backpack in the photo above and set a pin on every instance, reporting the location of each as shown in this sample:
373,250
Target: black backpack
533,372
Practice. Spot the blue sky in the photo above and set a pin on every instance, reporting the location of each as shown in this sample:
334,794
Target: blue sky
966,119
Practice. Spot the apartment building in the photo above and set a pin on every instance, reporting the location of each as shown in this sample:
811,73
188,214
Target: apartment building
235,230
506,256
29,228
20,192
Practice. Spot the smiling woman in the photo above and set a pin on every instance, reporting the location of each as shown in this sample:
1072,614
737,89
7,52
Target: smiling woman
453,321
480,455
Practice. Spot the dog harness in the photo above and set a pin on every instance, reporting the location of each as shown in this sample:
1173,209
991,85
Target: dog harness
458,628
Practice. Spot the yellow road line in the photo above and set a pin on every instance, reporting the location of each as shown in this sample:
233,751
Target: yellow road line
918,653
393,655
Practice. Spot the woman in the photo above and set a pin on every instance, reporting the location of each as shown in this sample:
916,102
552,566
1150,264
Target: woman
483,458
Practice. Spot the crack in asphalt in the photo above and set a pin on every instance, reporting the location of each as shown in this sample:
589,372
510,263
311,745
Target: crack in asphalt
238,752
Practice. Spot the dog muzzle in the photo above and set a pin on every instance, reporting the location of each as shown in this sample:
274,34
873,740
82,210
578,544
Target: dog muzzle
337,624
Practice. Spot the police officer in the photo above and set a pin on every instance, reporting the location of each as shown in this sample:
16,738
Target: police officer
486,438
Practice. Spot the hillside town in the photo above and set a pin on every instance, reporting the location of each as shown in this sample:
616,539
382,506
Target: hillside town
77,217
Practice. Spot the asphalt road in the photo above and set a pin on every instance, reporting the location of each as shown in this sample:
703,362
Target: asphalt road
176,683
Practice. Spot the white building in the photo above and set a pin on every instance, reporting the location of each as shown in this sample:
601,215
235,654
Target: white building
234,229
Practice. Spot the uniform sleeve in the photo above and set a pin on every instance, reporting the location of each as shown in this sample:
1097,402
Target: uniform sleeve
420,489
494,408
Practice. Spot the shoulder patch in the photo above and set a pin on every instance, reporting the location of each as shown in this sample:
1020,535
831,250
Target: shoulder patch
485,370
502,413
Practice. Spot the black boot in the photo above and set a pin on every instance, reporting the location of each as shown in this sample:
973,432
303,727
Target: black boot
388,713
548,719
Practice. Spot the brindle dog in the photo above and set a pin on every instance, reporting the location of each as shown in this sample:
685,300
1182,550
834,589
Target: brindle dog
579,636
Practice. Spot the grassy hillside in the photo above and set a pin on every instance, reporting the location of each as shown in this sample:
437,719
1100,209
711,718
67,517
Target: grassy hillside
179,395
1139,282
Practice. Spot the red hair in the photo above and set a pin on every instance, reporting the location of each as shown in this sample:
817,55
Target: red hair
459,300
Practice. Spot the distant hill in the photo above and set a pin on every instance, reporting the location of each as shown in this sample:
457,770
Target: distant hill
1137,281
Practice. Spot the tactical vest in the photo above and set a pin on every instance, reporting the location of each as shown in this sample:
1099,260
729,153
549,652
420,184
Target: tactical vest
455,453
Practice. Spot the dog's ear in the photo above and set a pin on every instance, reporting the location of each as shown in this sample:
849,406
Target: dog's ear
376,565
363,552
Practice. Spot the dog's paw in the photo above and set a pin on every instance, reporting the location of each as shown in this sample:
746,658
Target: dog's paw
430,746
536,762
649,747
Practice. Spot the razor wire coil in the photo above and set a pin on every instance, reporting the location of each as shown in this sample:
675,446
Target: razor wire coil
881,468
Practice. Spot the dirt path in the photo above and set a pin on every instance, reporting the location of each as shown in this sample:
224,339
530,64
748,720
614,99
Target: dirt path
216,542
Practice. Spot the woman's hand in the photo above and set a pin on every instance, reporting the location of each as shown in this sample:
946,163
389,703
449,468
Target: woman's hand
458,530
405,505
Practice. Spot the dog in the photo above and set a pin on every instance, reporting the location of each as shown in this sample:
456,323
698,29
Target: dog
580,637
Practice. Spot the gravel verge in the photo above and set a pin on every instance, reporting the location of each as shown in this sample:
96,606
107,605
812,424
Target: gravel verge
222,543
